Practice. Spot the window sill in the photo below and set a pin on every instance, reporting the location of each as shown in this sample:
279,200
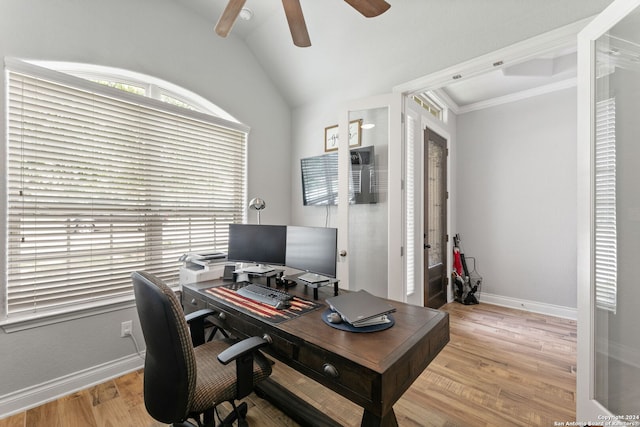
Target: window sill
37,320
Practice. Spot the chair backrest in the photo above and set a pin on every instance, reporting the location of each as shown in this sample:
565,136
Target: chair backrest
169,367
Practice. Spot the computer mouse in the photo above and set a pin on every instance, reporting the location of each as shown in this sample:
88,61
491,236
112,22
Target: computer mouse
334,317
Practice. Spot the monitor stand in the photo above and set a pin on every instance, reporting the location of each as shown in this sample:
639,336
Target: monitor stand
258,269
313,278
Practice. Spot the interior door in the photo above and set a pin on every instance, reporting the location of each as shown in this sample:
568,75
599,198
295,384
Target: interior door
369,211
435,219
608,374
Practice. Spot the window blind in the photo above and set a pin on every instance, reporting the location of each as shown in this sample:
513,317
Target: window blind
412,128
100,185
606,256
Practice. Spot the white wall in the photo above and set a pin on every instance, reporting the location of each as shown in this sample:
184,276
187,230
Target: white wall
161,39
308,140
516,197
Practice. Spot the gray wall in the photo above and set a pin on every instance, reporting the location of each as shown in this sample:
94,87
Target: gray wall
158,38
516,197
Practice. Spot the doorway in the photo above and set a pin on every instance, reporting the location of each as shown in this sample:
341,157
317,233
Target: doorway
435,219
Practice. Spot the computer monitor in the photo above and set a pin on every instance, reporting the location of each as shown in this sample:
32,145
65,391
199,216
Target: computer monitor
263,245
313,250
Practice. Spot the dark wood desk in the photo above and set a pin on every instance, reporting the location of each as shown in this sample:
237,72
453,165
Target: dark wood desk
372,370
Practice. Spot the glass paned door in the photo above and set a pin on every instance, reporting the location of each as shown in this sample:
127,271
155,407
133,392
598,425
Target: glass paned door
369,201
369,215
435,212
608,381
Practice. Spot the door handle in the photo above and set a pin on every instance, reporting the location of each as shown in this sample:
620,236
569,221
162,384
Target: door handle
343,253
427,246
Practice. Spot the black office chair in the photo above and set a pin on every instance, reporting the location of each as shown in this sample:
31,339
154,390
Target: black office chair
183,382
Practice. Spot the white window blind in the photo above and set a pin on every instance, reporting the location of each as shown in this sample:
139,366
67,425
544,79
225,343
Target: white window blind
412,128
100,184
606,256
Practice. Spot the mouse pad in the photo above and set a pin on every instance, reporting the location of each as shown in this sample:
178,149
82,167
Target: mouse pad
228,295
344,326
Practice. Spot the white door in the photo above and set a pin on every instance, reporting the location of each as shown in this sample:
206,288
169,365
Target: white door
608,372
369,197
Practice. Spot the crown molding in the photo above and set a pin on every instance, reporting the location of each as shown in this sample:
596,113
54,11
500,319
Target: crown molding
517,96
528,49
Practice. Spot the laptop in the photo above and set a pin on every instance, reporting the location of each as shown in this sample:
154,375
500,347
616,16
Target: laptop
360,308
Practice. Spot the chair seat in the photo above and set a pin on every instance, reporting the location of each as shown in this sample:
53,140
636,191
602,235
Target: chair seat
215,382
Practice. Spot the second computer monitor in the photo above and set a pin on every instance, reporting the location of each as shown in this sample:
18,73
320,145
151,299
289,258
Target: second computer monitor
313,250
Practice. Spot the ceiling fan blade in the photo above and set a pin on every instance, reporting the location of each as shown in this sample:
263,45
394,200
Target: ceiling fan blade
228,17
369,8
297,25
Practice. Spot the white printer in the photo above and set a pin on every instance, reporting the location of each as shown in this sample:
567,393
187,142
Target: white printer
201,267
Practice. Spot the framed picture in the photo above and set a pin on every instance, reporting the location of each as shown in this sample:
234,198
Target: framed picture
355,137
331,141
331,138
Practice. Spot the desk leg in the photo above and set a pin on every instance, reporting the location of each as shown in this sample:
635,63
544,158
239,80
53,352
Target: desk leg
371,420
294,407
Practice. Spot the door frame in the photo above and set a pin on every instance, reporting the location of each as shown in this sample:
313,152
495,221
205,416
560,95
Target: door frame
425,217
421,119
587,408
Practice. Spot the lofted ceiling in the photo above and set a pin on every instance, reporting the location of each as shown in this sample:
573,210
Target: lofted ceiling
262,10
352,56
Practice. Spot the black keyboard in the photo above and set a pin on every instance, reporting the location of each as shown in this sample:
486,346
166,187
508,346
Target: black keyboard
266,295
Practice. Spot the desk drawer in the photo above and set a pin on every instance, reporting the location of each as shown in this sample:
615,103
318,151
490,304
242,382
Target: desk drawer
339,374
191,302
280,347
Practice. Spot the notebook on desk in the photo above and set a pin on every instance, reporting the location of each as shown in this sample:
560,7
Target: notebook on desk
360,308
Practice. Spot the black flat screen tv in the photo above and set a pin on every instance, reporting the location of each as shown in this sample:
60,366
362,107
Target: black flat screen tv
320,178
312,250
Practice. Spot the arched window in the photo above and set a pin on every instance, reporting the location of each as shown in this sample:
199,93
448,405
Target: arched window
103,181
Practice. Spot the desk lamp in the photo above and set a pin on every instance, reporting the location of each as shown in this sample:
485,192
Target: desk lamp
258,204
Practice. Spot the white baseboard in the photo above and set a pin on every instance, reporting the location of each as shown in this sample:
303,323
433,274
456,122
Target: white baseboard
33,396
533,306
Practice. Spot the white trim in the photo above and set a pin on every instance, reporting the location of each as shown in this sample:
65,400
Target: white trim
518,96
30,397
36,320
532,306
511,55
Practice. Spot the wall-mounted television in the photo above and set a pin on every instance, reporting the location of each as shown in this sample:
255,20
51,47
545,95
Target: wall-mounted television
320,178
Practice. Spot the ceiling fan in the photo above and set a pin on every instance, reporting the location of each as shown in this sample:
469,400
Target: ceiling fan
293,11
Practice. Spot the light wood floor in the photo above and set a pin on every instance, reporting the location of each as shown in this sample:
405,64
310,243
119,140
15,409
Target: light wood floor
502,367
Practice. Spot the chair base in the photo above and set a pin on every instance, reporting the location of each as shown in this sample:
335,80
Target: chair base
239,413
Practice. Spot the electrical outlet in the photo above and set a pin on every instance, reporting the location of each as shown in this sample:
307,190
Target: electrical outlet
125,328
